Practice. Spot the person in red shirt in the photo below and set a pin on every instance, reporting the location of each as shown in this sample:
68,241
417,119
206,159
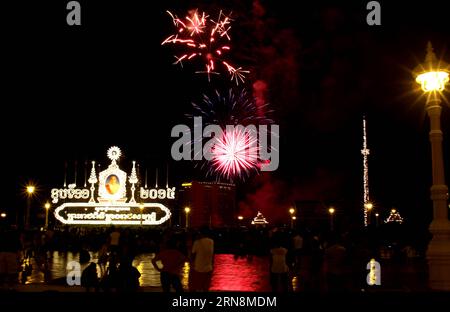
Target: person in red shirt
172,261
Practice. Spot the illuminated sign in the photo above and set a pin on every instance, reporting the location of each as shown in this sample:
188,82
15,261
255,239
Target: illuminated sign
112,206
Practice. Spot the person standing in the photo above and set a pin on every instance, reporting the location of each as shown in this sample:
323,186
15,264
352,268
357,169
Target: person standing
172,261
335,258
279,278
202,262
89,278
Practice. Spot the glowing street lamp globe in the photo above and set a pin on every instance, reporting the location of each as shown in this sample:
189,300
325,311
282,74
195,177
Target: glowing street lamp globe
331,210
368,206
433,81
30,189
187,210
433,74
291,211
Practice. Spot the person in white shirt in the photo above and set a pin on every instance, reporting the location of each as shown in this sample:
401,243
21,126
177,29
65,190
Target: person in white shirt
202,262
279,279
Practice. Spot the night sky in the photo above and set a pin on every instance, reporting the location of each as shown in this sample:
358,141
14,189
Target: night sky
69,93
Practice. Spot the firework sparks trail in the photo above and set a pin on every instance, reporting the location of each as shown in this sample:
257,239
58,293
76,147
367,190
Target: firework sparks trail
234,108
207,40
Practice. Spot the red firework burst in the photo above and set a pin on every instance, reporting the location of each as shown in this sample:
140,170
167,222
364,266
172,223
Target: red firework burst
207,40
235,153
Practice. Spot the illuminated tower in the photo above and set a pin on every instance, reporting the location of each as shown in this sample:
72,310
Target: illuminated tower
365,152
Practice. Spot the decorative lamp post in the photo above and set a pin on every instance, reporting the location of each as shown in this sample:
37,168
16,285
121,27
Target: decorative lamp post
293,218
239,220
368,208
331,211
433,75
292,212
47,207
30,191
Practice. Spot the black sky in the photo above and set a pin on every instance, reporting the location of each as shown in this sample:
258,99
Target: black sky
69,93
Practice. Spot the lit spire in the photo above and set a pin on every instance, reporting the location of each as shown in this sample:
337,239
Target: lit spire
365,152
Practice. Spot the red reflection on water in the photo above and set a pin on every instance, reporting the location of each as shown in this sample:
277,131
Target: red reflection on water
241,274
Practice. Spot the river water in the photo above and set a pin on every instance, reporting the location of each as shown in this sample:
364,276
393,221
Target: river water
230,273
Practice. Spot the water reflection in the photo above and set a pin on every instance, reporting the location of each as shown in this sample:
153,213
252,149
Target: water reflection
230,273
149,275
240,274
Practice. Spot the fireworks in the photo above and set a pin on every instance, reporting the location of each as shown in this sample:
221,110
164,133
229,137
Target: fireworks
235,108
235,152
207,40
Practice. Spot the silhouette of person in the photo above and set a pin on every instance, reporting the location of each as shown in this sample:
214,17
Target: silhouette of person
172,261
202,262
89,277
113,185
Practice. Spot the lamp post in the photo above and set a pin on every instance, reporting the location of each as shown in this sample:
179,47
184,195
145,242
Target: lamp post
377,215
30,191
47,207
292,211
187,210
432,75
141,207
239,222
331,212
368,207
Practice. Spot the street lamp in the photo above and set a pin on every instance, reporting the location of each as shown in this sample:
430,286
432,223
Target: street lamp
47,207
292,211
3,215
433,75
187,210
293,218
30,189
376,218
141,207
368,206
331,212
239,222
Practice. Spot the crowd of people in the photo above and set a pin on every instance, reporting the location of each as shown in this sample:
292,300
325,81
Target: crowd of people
316,261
